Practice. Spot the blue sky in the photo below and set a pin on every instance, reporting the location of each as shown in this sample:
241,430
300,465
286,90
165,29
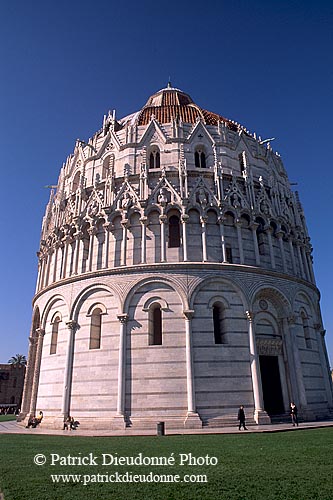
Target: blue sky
266,65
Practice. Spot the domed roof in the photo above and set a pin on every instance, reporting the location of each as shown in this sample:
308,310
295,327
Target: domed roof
170,104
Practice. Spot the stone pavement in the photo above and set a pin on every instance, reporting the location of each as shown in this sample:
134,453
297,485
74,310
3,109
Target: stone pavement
12,427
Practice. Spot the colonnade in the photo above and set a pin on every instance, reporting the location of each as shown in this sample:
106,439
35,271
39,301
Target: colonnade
293,367
72,255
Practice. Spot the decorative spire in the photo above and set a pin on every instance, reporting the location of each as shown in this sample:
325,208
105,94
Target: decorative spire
169,86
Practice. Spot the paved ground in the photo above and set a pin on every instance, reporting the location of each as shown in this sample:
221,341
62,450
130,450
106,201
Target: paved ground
12,427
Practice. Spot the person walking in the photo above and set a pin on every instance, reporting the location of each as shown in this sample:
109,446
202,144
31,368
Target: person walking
241,418
293,413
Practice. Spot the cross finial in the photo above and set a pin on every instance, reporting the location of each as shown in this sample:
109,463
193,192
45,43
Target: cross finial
169,83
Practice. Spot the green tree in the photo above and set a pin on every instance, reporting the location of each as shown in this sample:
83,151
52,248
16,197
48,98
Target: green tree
18,360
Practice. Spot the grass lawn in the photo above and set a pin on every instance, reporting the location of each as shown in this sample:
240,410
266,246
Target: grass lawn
282,466
5,418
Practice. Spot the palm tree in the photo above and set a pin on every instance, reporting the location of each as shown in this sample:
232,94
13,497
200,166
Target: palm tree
18,360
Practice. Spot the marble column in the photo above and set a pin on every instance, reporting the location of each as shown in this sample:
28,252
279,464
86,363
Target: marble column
305,263
67,240
254,226
72,327
259,415
308,256
144,223
184,221
291,368
48,268
107,227
279,235
238,225
42,279
123,319
270,244
163,219
78,237
203,221
34,392
297,364
292,254
299,256
39,277
92,232
55,266
220,221
193,419
125,226
29,377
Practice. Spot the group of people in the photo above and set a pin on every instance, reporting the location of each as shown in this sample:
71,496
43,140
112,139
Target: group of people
69,424
293,414
34,421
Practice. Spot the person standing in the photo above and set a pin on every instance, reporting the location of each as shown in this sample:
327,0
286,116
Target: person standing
241,418
293,413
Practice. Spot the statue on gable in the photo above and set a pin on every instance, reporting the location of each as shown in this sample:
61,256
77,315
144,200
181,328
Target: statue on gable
93,209
264,207
126,202
235,200
163,196
202,199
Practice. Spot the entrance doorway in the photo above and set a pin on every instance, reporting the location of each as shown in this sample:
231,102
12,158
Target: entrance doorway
271,385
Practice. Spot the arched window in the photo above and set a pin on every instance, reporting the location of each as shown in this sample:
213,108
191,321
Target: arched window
228,251
174,232
242,161
306,331
54,335
155,324
154,158
200,158
218,322
76,181
95,329
107,166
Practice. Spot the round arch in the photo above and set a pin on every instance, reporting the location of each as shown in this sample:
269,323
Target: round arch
48,306
278,299
96,287
161,279
211,279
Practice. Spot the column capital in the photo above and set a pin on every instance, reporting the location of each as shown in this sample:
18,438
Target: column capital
221,219
184,218
279,234
144,220
203,219
78,235
92,230
125,223
249,315
123,318
162,219
254,226
188,313
72,325
40,332
291,319
107,225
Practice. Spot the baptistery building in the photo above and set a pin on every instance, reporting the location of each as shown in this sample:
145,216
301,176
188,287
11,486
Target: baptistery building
175,280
